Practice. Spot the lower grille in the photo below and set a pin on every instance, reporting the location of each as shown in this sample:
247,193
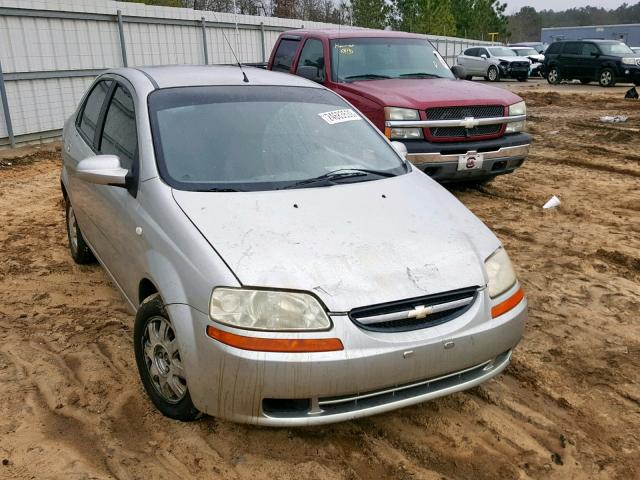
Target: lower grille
440,132
415,313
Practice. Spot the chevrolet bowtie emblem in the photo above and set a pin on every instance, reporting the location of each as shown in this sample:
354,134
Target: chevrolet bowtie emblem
469,122
420,312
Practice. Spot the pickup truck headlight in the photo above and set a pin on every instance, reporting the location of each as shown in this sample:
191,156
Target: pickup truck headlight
396,113
500,273
267,310
519,108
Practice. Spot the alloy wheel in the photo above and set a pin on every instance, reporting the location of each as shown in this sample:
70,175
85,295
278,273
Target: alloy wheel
605,78
72,227
163,361
553,75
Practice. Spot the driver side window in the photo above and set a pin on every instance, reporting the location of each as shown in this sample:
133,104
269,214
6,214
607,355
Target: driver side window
119,135
312,55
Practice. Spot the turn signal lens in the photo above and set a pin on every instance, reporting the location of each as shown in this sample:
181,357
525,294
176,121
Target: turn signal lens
284,345
509,304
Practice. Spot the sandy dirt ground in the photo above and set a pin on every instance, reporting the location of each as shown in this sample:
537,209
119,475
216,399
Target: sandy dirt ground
568,407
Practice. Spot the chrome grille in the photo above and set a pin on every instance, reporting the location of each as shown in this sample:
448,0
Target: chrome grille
461,112
415,313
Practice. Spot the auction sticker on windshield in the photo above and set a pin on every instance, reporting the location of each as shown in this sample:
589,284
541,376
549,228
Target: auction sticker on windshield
339,116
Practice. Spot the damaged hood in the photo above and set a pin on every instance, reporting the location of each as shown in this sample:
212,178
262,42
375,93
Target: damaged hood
351,244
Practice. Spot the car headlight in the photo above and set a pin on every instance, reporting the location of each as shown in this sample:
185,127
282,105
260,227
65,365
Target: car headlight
629,61
519,108
267,309
395,113
402,133
500,273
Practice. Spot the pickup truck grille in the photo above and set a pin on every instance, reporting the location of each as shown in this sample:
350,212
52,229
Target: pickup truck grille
461,112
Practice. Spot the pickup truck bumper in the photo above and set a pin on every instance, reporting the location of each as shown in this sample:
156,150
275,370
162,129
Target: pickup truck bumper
441,160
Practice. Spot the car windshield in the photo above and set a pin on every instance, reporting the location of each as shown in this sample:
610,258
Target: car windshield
378,58
615,48
263,138
501,52
525,52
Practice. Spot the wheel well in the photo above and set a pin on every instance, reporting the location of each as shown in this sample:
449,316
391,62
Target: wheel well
146,289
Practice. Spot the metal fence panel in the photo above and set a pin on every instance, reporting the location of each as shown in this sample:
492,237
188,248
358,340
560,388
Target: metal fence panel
51,50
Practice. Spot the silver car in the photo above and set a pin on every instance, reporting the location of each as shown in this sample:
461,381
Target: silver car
286,264
494,63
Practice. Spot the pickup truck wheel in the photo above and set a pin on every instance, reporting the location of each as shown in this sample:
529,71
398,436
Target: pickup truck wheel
493,75
159,361
80,251
553,77
607,78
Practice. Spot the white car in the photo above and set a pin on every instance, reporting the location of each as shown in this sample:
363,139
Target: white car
494,63
537,59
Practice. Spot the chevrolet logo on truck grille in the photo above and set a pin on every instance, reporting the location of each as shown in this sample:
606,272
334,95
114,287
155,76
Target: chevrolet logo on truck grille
469,123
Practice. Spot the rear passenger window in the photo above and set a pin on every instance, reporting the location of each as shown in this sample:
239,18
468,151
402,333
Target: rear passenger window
284,55
554,48
119,136
573,48
91,110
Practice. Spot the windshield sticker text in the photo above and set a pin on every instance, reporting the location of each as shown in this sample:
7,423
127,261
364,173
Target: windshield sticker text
339,116
345,49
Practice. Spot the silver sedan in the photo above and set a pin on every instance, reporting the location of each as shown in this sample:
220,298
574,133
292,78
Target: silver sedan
286,264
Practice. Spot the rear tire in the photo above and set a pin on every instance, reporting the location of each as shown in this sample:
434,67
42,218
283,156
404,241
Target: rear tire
468,77
159,362
607,78
493,75
553,76
80,251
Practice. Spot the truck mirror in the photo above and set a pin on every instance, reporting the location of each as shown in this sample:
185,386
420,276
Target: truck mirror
310,73
458,71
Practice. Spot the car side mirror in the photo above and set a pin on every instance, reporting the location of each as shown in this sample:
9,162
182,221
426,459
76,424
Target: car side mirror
458,71
310,73
400,148
102,170
483,56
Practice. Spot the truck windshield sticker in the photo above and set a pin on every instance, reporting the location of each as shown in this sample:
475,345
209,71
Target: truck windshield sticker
339,116
345,49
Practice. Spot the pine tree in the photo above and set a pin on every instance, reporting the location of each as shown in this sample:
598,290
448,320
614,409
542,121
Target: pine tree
370,13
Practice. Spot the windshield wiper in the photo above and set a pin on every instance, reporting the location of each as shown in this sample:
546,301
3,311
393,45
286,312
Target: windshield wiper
420,74
366,75
221,189
338,174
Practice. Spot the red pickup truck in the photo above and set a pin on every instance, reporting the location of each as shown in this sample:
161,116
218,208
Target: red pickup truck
454,130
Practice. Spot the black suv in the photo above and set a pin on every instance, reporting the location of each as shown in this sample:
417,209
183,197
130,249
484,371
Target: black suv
604,61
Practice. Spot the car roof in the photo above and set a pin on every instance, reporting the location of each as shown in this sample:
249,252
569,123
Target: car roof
332,33
204,75
594,40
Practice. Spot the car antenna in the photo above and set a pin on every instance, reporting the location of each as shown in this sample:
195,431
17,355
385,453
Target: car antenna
245,79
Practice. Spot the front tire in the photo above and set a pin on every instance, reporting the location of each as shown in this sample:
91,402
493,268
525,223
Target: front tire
493,75
159,361
80,251
553,77
607,78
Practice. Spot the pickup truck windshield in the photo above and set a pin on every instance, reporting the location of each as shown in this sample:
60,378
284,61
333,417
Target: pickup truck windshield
241,138
354,59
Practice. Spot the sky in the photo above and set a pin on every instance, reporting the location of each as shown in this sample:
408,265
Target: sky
557,5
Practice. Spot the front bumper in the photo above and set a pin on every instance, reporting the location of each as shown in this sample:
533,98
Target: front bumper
440,161
507,71
376,372
631,74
